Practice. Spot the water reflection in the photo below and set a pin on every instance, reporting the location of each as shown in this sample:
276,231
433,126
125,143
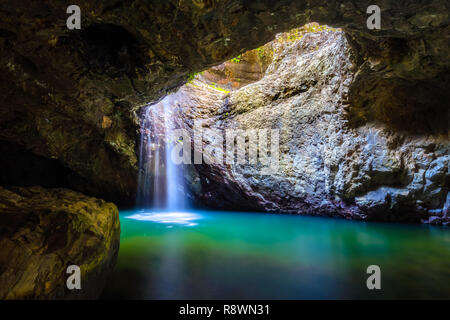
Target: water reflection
181,218
261,256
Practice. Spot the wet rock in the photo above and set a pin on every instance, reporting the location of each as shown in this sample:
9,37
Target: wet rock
446,209
327,166
43,232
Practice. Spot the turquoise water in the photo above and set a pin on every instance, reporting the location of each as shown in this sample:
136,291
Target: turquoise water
227,255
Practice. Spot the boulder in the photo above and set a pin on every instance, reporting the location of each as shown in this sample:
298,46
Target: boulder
44,231
327,165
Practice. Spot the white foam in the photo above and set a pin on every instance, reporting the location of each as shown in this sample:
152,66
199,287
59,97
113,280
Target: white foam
181,218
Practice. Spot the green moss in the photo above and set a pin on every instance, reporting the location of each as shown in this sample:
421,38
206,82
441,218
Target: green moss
215,86
191,76
212,86
298,33
237,59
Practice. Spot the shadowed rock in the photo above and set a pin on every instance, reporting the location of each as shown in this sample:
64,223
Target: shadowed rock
57,85
43,232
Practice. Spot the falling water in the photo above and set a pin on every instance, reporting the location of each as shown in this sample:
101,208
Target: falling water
160,179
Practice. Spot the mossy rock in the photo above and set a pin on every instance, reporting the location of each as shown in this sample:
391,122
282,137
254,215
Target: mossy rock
44,231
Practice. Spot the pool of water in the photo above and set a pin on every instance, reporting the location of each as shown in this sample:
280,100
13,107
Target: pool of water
230,255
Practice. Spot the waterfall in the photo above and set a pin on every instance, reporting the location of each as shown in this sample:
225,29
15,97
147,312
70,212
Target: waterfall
160,181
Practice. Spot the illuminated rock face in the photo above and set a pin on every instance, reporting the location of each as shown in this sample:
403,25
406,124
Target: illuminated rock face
328,166
44,231
71,95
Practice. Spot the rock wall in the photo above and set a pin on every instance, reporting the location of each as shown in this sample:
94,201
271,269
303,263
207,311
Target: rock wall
327,165
44,231
71,95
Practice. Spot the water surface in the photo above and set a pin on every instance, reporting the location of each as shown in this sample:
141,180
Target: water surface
227,255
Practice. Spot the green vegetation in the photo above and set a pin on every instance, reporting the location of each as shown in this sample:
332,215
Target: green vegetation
215,86
298,33
191,76
265,54
237,59
212,86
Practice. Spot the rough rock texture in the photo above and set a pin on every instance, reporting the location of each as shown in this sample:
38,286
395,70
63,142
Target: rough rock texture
327,166
43,231
70,95
234,74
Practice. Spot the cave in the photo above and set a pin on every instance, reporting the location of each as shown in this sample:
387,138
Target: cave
222,143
